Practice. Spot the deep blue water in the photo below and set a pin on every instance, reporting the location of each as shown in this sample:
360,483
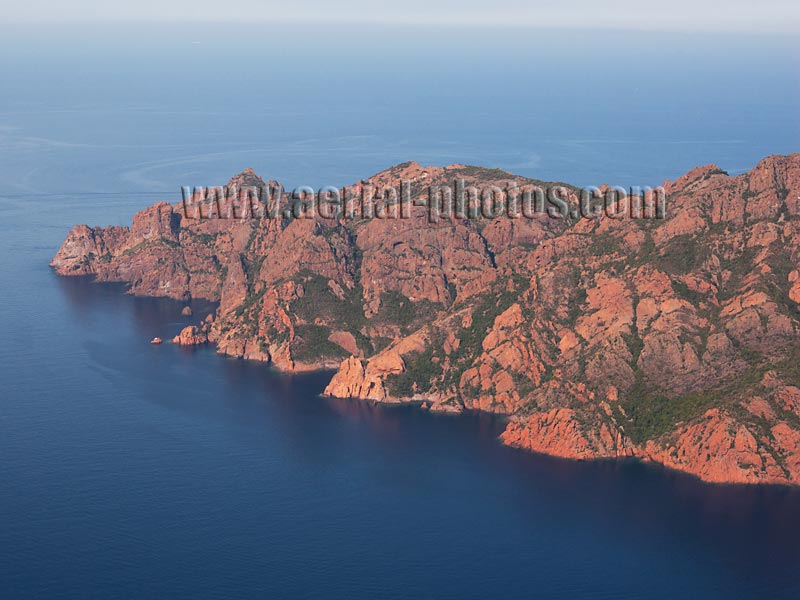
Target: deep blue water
138,471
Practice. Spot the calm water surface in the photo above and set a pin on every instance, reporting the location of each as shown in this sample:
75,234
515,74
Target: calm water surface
129,470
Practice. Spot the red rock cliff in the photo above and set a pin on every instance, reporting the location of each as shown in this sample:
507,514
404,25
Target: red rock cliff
675,340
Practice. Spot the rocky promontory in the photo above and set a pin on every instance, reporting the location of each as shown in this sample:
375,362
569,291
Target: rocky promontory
673,340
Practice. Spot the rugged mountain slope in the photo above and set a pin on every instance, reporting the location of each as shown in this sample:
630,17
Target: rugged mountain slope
674,340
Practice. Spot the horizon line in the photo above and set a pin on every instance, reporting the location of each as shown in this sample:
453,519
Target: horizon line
785,28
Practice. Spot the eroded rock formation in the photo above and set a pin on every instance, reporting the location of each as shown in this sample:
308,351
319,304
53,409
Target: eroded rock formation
674,340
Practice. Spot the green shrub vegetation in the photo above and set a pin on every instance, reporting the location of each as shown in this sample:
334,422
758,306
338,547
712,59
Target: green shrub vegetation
682,254
399,310
649,414
311,343
319,301
421,370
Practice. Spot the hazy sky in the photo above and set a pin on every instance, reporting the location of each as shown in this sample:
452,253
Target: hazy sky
681,15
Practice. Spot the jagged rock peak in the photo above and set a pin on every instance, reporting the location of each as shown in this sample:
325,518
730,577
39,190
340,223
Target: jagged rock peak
247,178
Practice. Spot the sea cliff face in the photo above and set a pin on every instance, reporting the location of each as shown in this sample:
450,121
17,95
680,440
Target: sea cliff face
674,340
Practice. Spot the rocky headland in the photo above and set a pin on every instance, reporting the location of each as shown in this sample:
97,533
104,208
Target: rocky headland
673,340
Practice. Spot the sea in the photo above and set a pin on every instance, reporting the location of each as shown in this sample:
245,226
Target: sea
136,471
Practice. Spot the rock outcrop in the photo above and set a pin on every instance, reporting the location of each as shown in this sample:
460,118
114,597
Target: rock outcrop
673,340
191,336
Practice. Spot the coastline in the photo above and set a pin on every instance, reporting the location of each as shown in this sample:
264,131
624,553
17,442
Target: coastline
595,339
424,405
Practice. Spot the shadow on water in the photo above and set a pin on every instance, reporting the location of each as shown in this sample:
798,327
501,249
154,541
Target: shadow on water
627,502
86,298
730,519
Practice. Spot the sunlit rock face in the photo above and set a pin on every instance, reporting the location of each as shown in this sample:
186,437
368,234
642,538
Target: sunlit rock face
674,340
